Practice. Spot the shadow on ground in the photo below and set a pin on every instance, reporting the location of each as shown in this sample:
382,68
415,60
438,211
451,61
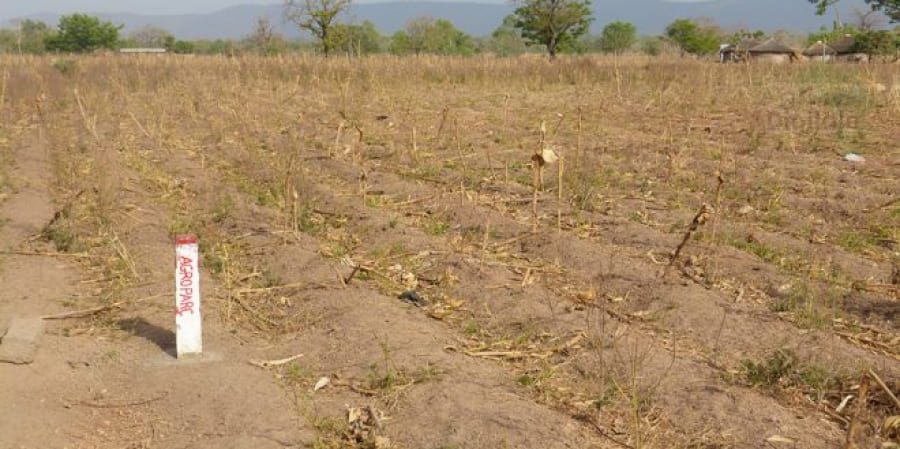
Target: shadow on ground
162,337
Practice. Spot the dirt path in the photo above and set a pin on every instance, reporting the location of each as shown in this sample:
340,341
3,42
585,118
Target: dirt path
32,414
84,391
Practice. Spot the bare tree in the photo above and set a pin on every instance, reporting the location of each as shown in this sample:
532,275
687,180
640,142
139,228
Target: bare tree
263,35
890,8
149,36
418,30
316,16
868,20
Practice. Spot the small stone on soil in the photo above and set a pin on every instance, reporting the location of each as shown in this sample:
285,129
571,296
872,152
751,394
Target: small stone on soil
413,298
21,341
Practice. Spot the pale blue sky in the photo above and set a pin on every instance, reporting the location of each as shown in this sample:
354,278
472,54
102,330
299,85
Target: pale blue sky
17,8
14,8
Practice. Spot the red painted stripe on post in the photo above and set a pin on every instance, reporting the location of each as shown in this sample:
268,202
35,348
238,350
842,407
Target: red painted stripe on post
185,239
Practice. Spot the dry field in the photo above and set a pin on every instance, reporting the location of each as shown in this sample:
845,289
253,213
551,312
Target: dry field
386,218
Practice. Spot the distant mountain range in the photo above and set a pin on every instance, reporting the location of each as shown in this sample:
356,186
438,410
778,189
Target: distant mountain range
650,16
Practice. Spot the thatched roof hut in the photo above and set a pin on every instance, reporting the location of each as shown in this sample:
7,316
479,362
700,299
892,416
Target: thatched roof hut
820,51
772,46
844,45
845,48
747,44
772,50
737,52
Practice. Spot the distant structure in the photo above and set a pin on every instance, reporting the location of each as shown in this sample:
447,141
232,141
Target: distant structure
841,50
142,50
845,50
739,52
773,51
820,52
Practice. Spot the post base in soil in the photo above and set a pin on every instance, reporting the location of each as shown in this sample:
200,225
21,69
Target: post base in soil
168,358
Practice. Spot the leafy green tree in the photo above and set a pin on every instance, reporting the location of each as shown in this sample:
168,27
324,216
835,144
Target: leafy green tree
178,46
555,24
506,40
213,47
426,35
741,35
316,16
7,41
356,39
81,33
891,8
445,39
830,34
618,37
652,46
400,43
693,38
876,42
870,42
417,34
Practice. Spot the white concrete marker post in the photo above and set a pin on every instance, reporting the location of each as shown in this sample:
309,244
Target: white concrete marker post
188,328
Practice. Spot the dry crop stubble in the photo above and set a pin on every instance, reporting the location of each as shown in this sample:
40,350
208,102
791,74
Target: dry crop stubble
438,149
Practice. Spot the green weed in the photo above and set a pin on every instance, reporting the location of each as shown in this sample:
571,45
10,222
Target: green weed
783,368
437,228
64,239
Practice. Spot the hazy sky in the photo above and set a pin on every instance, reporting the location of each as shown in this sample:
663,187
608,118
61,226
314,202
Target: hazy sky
17,8
13,8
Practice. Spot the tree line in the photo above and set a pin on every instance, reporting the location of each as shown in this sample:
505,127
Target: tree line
549,26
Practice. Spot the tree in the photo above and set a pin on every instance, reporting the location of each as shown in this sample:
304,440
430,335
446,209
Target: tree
618,37
652,46
867,20
149,37
741,35
506,40
264,40
211,47
356,39
890,8
875,43
426,35
81,33
7,41
555,24
178,46
444,38
30,36
316,16
417,34
399,43
693,38
262,36
830,34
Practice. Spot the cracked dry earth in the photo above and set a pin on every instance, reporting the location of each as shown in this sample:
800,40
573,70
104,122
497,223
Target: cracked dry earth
378,270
